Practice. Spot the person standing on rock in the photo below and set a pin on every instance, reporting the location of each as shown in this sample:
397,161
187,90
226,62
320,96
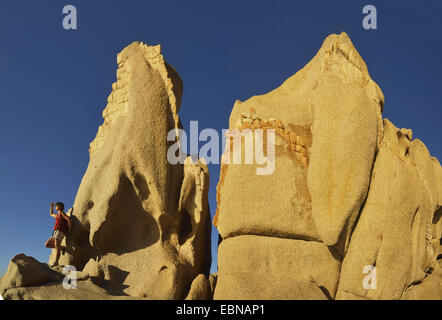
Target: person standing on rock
61,229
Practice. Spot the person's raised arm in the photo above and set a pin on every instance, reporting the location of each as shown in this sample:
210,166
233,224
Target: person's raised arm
53,215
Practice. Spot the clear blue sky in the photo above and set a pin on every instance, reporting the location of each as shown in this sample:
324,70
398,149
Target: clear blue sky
54,83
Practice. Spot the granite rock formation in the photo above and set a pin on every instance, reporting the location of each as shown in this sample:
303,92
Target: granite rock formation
349,190
352,209
141,226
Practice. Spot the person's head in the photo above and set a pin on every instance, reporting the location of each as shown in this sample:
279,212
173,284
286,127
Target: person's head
59,206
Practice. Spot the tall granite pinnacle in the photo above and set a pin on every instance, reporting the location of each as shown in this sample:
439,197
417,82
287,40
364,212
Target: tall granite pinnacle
141,225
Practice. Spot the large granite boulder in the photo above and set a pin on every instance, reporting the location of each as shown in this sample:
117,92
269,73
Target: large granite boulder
348,190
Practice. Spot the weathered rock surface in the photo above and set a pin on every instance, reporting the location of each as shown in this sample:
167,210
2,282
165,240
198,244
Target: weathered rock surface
200,289
392,230
334,101
29,279
24,271
429,288
144,222
348,187
258,267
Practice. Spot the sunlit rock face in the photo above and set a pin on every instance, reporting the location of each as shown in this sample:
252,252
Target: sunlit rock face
399,228
350,208
146,219
141,226
349,190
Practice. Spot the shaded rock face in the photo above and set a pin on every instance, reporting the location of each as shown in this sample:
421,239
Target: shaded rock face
144,221
349,190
